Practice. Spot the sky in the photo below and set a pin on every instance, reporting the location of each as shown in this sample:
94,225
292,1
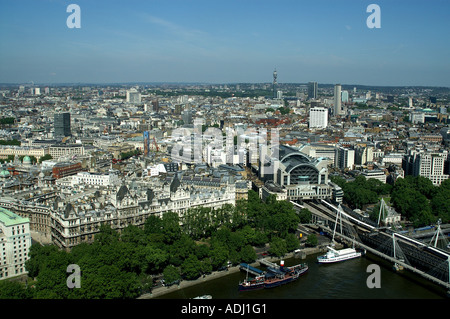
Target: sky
232,41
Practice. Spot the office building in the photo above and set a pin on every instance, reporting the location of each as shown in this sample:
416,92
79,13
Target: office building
427,164
337,100
95,179
274,84
445,132
344,158
187,116
417,117
344,97
312,90
15,242
363,154
133,96
64,169
68,150
62,124
377,174
155,106
318,117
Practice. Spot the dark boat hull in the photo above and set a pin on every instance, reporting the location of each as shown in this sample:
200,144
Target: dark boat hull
251,287
275,282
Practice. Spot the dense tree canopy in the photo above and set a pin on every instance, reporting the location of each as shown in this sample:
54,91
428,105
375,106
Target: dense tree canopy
420,201
120,265
414,197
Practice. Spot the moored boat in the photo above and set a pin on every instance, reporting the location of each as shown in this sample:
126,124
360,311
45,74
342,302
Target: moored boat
252,283
334,255
274,277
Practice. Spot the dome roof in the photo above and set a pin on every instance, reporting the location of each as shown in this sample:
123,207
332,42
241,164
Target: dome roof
27,159
4,173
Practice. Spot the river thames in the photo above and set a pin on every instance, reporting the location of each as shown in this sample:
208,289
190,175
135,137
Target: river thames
344,280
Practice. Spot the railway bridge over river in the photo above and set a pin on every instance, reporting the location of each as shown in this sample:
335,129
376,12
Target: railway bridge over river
404,252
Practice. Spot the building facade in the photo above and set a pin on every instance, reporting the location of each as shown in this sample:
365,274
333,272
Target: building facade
69,150
344,158
337,100
318,117
299,175
95,179
427,164
18,151
73,224
15,242
64,169
312,90
62,124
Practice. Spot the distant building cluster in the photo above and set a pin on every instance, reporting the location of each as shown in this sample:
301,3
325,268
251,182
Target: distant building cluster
74,158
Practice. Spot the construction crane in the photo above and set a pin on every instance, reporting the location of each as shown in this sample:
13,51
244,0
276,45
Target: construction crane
156,144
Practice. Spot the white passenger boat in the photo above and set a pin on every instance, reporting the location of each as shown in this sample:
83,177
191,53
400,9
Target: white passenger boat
334,255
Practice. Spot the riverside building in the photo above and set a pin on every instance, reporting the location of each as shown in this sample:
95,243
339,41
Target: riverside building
15,241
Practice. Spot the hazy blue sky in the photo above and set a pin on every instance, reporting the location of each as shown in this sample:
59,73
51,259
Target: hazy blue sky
226,41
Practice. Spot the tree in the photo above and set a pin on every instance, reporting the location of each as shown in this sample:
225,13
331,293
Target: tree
45,157
357,193
171,227
312,240
256,210
247,254
191,267
338,181
424,186
219,255
10,142
440,202
106,235
153,225
248,234
108,282
278,247
281,216
408,202
154,259
13,290
134,235
51,272
171,274
202,251
305,216
7,120
292,242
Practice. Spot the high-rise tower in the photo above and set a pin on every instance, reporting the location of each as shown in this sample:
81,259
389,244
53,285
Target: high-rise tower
62,124
337,100
274,85
312,90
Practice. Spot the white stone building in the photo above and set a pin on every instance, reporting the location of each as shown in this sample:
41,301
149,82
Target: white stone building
15,242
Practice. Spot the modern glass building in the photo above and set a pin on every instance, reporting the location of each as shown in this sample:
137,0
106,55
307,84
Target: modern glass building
62,124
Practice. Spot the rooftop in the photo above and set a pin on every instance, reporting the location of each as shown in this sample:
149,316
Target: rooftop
8,218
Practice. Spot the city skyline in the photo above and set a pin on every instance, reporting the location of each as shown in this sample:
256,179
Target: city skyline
232,42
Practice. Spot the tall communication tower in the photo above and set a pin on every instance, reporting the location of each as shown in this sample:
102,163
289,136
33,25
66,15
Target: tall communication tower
274,85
